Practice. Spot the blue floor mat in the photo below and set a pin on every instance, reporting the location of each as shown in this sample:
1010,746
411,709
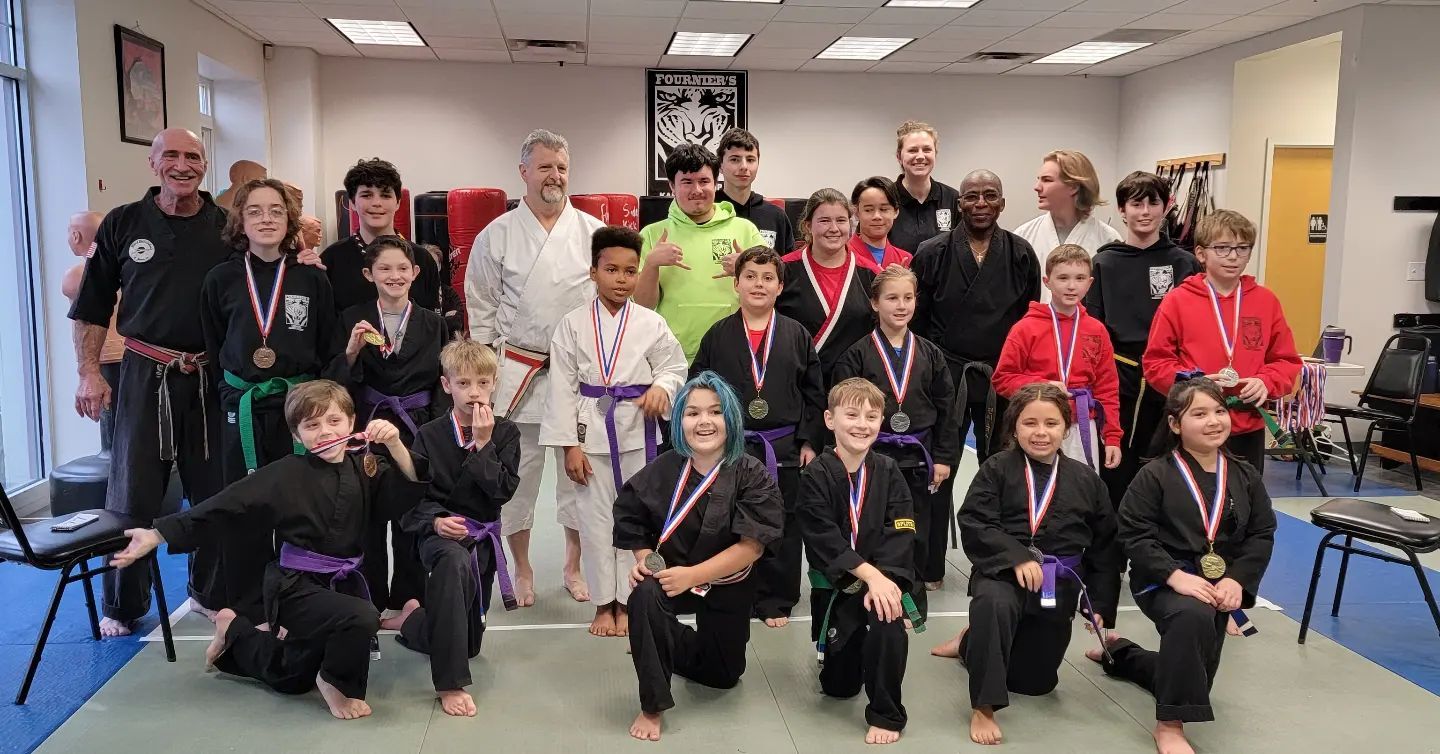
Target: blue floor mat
1339,482
75,666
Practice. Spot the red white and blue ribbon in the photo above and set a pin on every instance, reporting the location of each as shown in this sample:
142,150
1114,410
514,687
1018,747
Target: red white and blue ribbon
678,510
859,485
761,361
361,437
899,384
1227,337
264,318
389,346
1210,516
1066,356
1038,507
609,357
460,432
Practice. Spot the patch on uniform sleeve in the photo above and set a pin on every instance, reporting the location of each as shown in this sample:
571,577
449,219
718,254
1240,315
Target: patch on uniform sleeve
904,524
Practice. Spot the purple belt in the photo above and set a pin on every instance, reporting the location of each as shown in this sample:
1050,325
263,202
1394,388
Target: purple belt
765,437
1052,568
1084,407
340,569
917,439
489,530
399,405
620,393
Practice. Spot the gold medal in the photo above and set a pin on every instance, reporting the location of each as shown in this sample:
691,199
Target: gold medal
1212,566
264,357
374,338
759,408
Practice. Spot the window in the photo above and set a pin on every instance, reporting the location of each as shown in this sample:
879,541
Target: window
207,97
207,129
20,419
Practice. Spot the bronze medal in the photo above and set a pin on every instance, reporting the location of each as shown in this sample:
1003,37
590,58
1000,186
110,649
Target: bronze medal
264,357
758,408
372,466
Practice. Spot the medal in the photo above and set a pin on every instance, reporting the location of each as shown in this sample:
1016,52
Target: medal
759,363
369,463
1066,357
385,338
678,510
654,562
1036,554
264,356
603,404
373,338
859,484
854,587
899,384
1228,376
608,357
1212,566
1036,508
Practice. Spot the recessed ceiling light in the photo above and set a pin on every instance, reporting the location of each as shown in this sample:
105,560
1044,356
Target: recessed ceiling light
706,43
1092,52
930,3
863,48
363,32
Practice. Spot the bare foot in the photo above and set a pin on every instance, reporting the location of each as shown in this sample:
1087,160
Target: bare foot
646,727
394,622
111,627
457,703
1231,627
950,648
983,729
525,587
1096,655
341,706
209,614
881,736
934,586
622,621
1170,738
219,644
576,586
604,623
778,622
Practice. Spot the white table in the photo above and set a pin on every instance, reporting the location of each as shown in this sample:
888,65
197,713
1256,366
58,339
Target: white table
1343,369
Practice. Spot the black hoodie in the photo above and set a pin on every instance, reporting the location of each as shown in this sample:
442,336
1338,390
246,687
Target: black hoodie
1128,285
772,221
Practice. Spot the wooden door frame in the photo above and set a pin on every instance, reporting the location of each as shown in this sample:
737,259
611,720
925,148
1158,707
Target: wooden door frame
1263,229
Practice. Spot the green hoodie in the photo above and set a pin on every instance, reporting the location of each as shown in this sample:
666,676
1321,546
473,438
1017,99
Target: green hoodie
692,300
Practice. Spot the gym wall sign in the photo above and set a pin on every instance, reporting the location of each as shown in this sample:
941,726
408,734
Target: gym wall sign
694,107
1319,228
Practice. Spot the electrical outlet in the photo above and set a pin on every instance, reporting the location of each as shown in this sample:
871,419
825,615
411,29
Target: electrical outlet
1415,271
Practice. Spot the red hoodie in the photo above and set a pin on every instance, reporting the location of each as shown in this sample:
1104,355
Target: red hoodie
1186,336
893,255
1030,356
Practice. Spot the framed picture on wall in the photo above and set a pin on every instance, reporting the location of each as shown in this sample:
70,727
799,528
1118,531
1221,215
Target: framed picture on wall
140,81
695,107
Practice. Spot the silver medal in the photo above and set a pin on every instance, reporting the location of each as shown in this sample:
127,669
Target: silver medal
1228,377
654,562
900,422
604,403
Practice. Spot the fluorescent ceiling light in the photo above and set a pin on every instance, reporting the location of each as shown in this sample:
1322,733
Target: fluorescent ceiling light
706,43
1091,52
772,2
363,32
930,3
863,48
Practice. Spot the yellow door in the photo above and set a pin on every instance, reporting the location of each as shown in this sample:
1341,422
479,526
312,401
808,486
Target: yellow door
1294,258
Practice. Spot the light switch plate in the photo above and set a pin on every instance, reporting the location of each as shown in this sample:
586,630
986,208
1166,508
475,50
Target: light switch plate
1415,271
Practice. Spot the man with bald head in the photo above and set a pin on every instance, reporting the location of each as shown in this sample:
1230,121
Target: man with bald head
975,283
154,254
83,226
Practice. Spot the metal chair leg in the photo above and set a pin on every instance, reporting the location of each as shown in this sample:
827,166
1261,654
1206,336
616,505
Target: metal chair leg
90,601
1314,582
1349,446
1414,462
1424,587
1340,581
44,635
161,607
1364,456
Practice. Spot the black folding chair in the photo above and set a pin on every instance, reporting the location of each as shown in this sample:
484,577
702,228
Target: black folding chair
34,544
1372,522
1390,400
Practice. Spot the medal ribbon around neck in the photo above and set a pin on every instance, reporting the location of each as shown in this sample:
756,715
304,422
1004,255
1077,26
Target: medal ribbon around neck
679,511
361,437
1038,508
900,385
1209,517
389,346
609,358
857,501
266,318
1066,357
460,433
1226,336
759,363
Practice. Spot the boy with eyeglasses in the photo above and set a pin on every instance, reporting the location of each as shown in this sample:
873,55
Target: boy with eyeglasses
1229,327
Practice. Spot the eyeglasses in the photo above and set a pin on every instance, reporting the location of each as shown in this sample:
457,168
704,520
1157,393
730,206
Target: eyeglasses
1226,252
273,213
990,197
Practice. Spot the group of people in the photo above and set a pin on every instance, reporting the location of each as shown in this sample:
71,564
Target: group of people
720,399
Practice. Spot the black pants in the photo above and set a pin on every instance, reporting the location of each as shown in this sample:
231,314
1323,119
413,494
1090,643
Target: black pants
777,572
138,476
1249,447
111,373
393,568
923,505
449,628
329,635
1140,434
1010,648
864,651
1180,675
711,654
232,576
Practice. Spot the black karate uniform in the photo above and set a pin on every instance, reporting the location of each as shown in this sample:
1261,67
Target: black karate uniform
929,403
801,301
772,222
344,264
795,393
159,261
742,503
322,507
1013,644
1128,284
471,483
886,541
1161,531
415,368
917,221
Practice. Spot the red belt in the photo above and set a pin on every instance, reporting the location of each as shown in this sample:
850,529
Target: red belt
535,360
187,363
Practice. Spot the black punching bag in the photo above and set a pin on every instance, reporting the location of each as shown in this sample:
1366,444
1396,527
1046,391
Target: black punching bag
1432,264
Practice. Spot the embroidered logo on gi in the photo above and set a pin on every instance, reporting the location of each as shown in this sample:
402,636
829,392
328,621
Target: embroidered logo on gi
720,247
297,312
1252,335
768,236
141,250
1090,349
904,524
580,430
229,417
942,220
1162,279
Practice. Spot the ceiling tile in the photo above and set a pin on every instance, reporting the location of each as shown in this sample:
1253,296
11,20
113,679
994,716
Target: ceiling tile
621,61
540,7
652,47
986,68
770,65
341,50
1118,70
265,9
732,11
908,55
617,29
750,56
471,23
837,66
638,8
1220,6
840,3
1168,20
303,38
548,57
982,34
720,26
373,3
811,14
1047,69
1258,24
387,12
784,35
526,26
465,43
310,25
1124,6
396,52
1050,5
981,17
701,62
914,16
474,56
894,66
1309,7
1083,20
867,29
1211,36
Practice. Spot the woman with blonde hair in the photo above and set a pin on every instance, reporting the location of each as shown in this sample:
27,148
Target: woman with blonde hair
1068,190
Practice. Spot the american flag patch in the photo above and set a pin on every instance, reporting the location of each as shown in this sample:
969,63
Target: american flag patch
90,252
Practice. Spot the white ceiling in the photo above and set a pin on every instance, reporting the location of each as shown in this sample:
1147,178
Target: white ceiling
635,33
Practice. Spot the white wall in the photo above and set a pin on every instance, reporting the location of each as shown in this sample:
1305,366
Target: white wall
293,80
446,125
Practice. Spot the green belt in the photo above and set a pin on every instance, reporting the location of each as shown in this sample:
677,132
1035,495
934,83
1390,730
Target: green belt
253,390
1282,438
818,581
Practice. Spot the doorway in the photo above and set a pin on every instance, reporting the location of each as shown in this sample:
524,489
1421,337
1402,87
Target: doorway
1295,233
